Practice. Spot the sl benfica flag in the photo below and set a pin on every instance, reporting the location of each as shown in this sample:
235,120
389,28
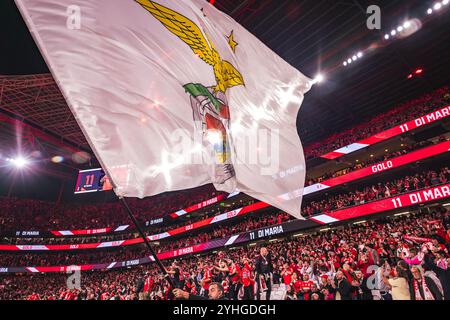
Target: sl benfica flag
175,94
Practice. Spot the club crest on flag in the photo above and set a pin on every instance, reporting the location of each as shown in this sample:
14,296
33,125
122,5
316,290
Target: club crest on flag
209,104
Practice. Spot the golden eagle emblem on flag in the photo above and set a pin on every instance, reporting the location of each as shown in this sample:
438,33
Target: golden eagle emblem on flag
209,104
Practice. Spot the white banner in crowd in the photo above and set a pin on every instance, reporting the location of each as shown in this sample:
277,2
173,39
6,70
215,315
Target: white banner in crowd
177,93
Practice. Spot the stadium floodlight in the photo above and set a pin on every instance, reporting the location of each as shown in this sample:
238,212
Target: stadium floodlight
393,33
400,28
345,63
437,6
318,79
386,36
19,162
430,11
57,159
360,54
407,24
349,61
445,2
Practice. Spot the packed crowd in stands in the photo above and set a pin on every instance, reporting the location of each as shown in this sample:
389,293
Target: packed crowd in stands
405,149
331,202
32,214
127,235
378,191
17,258
369,194
395,116
399,258
50,216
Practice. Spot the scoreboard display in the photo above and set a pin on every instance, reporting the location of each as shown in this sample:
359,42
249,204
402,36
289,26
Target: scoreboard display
92,180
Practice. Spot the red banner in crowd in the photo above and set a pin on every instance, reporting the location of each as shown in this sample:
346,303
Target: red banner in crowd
417,239
401,201
198,206
387,134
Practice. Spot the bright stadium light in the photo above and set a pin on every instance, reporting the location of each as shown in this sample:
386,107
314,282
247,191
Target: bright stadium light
430,11
57,159
345,63
386,36
407,24
318,79
360,54
400,29
437,6
19,162
445,2
393,33
349,61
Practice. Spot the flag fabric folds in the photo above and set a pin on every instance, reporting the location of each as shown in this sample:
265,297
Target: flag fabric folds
175,94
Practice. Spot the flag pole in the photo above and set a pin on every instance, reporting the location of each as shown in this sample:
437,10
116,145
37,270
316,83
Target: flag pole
136,224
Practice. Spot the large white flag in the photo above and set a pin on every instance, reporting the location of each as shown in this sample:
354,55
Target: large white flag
175,94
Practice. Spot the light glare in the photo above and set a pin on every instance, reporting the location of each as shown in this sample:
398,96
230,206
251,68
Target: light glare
319,78
57,159
19,162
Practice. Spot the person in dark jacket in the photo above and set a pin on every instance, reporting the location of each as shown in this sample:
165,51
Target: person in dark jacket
423,287
442,274
362,292
343,288
264,269
140,287
216,292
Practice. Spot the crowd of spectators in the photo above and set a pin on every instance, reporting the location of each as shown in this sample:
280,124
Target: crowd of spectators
329,203
41,215
392,258
30,214
309,208
125,236
353,166
398,115
376,192
17,258
409,254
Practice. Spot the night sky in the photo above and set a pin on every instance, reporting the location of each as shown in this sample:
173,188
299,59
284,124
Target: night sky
19,54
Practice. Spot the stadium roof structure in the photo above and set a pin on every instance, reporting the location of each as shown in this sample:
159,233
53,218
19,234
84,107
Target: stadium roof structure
314,36
37,100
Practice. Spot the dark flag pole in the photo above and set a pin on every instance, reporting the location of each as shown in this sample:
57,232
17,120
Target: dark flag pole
136,224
